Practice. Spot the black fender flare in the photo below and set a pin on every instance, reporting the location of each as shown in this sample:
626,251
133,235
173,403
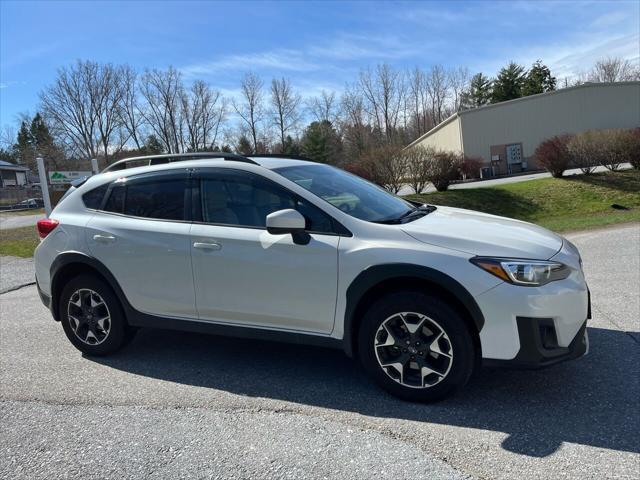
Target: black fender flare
73,257
376,274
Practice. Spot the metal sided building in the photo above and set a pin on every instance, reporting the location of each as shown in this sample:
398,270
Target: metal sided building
505,135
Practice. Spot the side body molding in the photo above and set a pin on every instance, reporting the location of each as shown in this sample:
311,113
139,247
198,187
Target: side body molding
374,275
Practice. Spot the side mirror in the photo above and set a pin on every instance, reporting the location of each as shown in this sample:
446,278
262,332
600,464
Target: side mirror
285,221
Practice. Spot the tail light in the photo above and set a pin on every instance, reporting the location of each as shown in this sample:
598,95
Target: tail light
46,226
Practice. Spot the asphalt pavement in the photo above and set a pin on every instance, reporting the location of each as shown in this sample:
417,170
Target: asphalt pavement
183,405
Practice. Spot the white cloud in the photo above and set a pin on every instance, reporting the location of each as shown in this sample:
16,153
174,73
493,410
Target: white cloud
610,19
282,59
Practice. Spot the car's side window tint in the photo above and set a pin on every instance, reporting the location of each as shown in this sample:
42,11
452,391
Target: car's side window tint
245,200
93,198
162,199
115,202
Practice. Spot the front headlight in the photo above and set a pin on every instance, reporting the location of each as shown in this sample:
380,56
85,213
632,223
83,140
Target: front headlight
528,273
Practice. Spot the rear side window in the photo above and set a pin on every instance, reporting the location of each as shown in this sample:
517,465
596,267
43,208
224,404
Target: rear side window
93,198
162,199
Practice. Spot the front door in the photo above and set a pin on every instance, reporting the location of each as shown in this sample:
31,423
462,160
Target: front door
246,276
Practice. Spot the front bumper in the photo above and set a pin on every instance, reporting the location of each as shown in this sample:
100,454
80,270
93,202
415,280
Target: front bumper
539,345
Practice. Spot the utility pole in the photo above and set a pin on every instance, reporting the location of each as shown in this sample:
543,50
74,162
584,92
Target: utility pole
44,186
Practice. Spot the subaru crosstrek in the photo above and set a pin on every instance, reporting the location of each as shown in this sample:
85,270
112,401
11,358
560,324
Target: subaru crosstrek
291,250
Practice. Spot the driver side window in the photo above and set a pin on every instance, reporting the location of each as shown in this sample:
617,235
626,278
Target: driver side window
243,199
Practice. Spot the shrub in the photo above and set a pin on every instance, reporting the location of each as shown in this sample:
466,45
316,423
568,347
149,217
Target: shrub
586,151
357,168
615,148
443,168
634,148
417,166
470,167
553,154
385,165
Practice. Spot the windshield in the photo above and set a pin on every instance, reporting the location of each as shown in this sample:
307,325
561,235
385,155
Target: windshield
349,193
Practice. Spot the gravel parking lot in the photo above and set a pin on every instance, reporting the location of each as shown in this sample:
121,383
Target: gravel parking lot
182,405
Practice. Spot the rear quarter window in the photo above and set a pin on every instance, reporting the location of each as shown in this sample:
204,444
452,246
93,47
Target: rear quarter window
93,198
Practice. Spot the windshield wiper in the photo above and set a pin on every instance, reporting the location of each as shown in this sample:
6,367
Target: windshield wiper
420,211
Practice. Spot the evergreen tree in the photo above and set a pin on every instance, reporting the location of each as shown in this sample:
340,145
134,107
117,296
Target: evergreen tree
244,146
478,94
321,143
538,80
40,133
291,146
25,145
152,146
509,83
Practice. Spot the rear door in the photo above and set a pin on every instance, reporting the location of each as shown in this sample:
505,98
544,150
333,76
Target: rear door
141,234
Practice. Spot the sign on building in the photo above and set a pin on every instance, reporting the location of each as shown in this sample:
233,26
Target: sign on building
65,177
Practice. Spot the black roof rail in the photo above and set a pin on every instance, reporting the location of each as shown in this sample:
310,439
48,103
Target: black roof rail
177,157
281,155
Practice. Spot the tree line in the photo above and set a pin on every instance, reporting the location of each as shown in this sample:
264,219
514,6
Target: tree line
106,111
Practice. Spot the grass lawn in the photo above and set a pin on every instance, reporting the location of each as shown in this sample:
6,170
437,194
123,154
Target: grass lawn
31,211
19,242
573,203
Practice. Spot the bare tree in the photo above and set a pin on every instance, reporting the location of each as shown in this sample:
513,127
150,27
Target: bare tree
437,90
163,92
613,70
418,93
285,105
458,79
355,131
250,108
323,107
8,136
383,91
131,117
204,111
83,107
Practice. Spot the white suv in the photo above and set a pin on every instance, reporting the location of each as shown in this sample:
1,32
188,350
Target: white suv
285,249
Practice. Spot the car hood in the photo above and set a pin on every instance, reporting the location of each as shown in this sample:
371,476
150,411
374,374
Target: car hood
483,234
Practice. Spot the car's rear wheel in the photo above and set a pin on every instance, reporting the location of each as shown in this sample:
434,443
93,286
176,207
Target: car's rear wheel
416,346
92,317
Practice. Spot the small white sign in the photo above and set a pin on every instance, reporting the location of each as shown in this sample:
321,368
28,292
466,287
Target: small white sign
64,177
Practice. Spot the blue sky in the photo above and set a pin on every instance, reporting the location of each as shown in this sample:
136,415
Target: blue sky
316,44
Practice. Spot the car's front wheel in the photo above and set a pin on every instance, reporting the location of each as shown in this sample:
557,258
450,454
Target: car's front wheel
92,317
416,346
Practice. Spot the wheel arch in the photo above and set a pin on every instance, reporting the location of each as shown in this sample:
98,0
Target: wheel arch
71,264
379,280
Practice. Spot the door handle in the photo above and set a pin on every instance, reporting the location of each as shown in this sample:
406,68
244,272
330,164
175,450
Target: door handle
207,245
104,238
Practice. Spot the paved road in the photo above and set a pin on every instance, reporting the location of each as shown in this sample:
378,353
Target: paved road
182,405
8,221
406,190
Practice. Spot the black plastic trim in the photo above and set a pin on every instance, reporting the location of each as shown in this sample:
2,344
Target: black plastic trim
144,320
44,298
533,353
376,274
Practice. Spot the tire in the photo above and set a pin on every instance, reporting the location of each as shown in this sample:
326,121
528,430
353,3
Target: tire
440,356
83,329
